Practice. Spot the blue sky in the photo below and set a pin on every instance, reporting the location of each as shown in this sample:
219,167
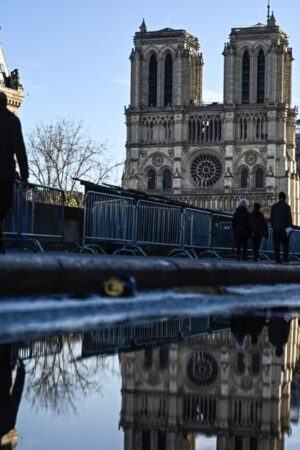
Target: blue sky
73,54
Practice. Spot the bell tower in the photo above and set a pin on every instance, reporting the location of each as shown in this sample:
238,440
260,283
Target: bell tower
166,77
258,65
10,85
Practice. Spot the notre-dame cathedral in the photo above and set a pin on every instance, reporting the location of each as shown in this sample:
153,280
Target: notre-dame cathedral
211,155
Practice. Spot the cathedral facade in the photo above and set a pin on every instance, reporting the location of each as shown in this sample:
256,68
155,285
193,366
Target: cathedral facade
211,155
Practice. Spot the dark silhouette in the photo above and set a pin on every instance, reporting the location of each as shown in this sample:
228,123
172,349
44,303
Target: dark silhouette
259,229
241,224
281,221
11,145
279,330
242,325
10,393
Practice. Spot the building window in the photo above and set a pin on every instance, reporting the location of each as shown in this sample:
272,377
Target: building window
206,170
153,81
148,358
246,77
255,363
259,178
167,180
163,357
151,180
244,178
168,80
146,440
240,362
261,77
161,440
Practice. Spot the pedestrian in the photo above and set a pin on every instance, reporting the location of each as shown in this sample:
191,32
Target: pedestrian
259,229
241,224
281,222
11,147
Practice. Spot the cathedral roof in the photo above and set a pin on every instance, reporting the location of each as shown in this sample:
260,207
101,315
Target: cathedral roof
165,33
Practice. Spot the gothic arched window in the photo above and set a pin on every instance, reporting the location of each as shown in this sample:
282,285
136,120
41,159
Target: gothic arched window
167,180
151,180
259,178
261,77
153,81
168,80
246,78
148,358
244,178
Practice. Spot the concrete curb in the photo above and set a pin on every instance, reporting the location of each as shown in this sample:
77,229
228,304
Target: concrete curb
28,274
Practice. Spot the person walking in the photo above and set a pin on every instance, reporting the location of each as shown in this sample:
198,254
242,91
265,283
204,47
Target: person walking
281,222
241,224
259,229
11,147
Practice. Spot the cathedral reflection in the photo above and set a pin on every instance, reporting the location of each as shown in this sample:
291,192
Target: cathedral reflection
233,382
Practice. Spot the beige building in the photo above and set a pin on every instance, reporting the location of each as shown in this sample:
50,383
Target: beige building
211,155
10,84
207,386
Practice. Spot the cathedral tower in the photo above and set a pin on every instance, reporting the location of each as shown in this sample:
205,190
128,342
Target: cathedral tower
212,155
10,85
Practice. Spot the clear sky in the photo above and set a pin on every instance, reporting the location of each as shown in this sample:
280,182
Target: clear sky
73,54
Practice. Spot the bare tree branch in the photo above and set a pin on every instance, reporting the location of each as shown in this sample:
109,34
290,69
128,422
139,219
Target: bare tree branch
62,150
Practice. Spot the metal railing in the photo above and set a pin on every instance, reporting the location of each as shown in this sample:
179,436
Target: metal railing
140,222
37,212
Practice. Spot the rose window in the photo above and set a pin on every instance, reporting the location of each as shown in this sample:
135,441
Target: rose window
206,170
202,368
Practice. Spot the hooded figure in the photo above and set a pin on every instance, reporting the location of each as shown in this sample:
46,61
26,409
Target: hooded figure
241,225
11,147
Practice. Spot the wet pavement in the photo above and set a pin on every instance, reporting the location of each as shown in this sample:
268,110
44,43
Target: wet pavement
170,370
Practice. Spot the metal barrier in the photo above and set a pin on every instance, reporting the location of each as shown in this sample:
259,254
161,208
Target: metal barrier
197,229
108,218
37,212
190,232
158,224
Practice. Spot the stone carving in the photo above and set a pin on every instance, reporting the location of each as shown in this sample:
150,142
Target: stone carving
143,153
202,368
157,160
206,170
251,158
263,150
171,152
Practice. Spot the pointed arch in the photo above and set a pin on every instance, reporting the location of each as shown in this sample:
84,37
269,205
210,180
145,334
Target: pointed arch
151,177
152,94
167,180
246,77
244,177
168,86
259,178
261,77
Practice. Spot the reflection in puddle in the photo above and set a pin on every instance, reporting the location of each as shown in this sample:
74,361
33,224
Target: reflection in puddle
173,384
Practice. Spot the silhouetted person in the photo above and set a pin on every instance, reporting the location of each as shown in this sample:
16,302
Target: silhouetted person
278,331
11,147
259,229
10,393
281,221
241,224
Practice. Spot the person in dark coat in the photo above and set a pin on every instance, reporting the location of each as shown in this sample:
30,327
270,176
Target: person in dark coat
241,224
259,229
279,330
11,147
10,393
281,222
